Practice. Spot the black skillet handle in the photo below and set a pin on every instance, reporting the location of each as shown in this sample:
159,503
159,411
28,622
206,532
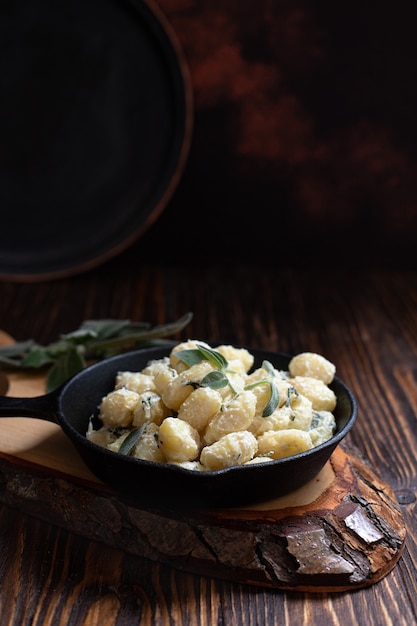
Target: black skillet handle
43,407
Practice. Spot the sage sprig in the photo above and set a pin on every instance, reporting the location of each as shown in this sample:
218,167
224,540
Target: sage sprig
218,378
201,353
92,341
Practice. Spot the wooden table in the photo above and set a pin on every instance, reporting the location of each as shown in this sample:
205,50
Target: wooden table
365,322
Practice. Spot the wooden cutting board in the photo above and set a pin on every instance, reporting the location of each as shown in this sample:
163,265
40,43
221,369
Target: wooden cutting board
341,531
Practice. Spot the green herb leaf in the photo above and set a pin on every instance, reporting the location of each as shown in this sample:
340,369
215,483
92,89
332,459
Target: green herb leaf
93,340
215,358
202,353
273,400
11,355
130,338
37,357
190,357
215,380
274,397
66,366
270,369
131,440
79,336
108,328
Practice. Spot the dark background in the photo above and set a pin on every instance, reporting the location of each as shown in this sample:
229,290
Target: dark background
304,145
305,139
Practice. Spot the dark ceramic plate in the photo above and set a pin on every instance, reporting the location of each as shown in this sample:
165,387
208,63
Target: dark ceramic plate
164,485
95,124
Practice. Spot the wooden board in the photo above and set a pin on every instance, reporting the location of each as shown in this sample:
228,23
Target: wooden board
342,531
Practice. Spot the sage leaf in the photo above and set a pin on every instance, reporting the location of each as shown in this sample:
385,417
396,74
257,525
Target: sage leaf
215,358
190,357
215,380
132,339
267,365
79,336
193,356
66,366
274,397
107,328
273,400
131,440
12,354
37,357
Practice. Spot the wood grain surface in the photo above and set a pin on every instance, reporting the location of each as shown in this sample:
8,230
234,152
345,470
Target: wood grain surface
365,322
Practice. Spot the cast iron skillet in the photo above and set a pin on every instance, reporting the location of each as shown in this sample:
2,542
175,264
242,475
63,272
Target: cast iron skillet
164,485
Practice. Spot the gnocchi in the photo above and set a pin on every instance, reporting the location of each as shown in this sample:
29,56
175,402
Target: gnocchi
205,409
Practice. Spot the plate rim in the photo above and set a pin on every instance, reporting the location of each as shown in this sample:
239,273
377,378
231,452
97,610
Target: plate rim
184,141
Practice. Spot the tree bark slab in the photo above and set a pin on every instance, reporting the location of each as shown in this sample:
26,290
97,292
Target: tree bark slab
344,530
